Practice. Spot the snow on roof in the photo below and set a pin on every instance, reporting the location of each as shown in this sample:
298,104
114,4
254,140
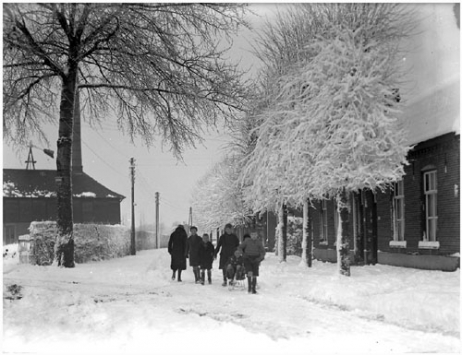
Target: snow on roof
41,183
431,74
434,114
88,194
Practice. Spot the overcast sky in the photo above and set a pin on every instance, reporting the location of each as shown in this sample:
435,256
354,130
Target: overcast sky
106,153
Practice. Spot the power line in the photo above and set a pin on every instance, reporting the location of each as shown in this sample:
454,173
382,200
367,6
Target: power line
168,203
126,156
110,166
143,180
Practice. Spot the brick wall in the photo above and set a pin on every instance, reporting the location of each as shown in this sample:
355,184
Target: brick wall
443,154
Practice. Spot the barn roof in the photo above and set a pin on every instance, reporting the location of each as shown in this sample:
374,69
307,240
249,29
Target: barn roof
41,183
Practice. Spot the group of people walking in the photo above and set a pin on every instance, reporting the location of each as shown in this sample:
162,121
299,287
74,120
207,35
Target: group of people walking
235,257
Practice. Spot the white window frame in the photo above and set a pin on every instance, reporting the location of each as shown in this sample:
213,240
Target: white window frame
430,236
398,220
323,224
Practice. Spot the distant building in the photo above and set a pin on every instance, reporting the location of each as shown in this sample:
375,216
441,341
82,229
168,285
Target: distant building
30,195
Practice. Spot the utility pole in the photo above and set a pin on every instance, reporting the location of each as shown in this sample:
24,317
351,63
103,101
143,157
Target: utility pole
132,237
190,217
157,220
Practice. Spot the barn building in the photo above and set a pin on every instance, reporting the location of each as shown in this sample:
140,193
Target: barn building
30,195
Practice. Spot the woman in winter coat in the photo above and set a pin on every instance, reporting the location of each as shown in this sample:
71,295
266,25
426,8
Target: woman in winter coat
253,253
228,243
206,254
194,243
178,250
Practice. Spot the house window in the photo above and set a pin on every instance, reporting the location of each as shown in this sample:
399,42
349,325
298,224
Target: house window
398,211
323,238
356,220
431,216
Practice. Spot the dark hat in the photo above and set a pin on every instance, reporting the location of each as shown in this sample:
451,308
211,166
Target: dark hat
246,236
180,226
193,227
229,225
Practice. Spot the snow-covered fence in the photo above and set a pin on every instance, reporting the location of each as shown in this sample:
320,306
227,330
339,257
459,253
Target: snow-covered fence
93,242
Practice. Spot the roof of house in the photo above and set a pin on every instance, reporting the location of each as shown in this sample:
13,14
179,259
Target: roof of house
434,114
430,69
41,183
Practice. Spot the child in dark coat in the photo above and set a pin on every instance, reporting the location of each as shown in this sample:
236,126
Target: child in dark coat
254,253
206,256
235,267
194,243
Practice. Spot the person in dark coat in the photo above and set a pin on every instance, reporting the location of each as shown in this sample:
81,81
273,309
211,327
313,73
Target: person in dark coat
254,253
228,243
178,250
206,254
194,243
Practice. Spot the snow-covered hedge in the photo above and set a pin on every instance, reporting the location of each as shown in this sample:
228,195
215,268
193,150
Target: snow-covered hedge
93,242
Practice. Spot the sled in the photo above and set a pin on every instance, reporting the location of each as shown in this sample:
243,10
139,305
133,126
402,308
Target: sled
239,282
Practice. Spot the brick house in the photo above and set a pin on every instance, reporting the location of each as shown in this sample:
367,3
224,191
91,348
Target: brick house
417,223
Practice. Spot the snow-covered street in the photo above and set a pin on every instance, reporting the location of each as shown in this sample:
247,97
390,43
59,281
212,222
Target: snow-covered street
130,305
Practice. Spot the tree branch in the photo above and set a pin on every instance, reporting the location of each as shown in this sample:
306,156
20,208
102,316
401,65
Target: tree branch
37,49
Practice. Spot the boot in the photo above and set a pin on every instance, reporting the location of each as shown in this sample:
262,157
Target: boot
249,284
173,275
202,277
254,284
196,275
225,283
209,276
179,275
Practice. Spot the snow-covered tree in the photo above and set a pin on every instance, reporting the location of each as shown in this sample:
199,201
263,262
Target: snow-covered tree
334,126
156,68
218,198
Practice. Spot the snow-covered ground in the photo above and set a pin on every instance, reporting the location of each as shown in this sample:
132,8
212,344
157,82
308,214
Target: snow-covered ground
130,305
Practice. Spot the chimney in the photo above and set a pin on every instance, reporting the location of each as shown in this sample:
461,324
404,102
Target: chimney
76,138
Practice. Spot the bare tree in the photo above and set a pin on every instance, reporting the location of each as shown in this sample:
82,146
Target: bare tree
156,67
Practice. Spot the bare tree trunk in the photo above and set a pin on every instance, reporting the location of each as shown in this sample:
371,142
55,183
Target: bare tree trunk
64,247
279,233
306,240
343,248
284,233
